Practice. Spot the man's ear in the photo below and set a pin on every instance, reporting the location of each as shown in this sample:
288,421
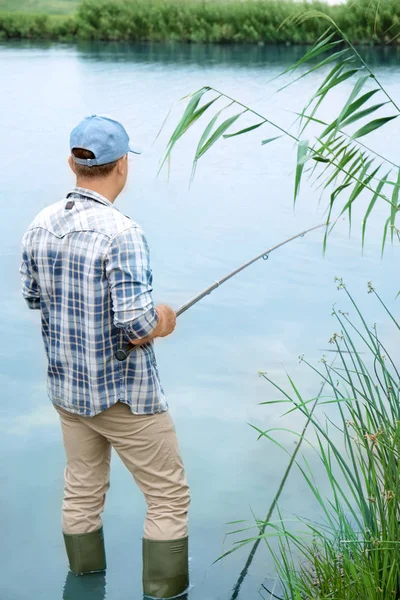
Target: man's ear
122,164
71,163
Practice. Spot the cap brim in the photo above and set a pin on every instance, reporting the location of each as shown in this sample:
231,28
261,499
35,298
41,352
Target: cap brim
134,149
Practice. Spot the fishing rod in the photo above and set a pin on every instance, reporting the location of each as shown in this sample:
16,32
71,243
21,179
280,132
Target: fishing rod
123,352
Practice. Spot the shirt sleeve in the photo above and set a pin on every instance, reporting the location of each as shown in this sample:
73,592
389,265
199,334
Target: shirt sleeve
29,279
130,280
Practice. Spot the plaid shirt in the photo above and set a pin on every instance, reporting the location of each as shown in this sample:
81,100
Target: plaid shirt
86,267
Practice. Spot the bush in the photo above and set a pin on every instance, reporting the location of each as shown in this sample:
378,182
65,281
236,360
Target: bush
29,26
207,21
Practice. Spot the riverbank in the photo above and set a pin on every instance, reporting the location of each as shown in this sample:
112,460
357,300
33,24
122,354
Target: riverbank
216,21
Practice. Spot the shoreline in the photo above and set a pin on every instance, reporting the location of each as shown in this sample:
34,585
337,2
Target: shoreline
257,22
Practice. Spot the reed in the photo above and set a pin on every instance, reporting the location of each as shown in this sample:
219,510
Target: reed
16,25
352,550
357,552
203,21
336,156
52,7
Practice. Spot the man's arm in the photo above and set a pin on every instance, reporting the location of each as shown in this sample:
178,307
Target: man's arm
130,280
166,325
30,283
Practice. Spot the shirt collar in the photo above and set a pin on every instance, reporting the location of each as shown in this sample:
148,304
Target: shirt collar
90,194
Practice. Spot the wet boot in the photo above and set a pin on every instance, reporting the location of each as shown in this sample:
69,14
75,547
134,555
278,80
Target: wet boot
85,551
165,568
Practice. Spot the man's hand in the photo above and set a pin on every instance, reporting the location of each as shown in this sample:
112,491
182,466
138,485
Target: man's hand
166,325
167,322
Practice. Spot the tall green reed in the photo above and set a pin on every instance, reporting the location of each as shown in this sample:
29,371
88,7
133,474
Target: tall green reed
352,551
206,21
334,154
39,6
230,20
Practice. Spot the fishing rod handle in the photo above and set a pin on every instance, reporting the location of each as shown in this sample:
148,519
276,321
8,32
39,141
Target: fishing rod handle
124,352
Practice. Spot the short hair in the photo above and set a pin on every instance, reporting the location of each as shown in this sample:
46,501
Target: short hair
95,172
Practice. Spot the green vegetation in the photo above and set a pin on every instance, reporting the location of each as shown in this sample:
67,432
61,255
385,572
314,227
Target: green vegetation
354,552
334,157
39,26
204,21
191,20
351,551
55,7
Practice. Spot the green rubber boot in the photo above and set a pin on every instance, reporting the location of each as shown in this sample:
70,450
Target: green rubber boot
165,568
85,551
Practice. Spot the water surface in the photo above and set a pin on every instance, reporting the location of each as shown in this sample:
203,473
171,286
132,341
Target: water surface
240,203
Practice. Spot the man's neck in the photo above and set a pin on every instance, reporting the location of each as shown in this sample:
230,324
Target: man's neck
104,188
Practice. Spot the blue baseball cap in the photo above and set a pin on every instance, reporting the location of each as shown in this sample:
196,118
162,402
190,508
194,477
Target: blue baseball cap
105,137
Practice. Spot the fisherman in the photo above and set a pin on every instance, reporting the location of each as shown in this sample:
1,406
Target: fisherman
86,267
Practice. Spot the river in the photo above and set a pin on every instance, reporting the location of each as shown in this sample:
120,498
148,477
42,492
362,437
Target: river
241,202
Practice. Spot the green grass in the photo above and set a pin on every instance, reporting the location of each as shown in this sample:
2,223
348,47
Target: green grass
356,552
203,21
51,7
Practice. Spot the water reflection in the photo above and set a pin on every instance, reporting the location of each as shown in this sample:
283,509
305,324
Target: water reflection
89,587
239,55
184,596
196,54
242,56
93,587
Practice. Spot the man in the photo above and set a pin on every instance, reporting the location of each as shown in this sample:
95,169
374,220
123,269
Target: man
86,268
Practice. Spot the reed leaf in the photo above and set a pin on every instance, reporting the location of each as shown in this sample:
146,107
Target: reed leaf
269,140
205,135
395,205
189,117
302,157
351,118
371,205
242,131
203,148
372,126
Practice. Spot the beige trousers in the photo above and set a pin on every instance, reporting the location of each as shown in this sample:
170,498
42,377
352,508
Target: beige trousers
147,445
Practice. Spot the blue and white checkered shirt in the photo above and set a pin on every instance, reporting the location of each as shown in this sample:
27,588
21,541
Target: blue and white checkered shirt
86,267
